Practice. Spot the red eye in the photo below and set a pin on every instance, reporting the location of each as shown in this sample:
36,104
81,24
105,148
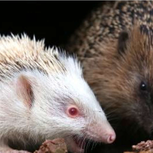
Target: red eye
72,111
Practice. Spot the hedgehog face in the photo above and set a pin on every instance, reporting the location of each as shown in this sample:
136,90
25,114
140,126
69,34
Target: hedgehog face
135,65
76,112
125,86
63,105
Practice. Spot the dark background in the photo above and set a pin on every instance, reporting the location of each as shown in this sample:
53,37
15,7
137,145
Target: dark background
54,21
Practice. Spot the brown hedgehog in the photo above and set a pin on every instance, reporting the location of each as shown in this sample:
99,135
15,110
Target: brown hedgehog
115,46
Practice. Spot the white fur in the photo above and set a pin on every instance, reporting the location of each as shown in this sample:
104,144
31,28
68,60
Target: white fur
53,92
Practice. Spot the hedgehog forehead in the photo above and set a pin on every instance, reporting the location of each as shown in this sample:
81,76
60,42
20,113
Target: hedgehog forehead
140,48
139,54
71,65
72,89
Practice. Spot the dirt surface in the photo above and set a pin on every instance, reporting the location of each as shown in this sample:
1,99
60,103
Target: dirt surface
53,146
143,147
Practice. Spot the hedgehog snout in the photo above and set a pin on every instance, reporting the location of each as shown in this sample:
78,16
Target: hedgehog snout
102,132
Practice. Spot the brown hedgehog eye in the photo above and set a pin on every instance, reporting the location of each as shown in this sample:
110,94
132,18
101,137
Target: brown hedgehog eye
143,86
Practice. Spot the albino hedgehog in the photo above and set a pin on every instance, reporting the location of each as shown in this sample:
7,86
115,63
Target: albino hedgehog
43,95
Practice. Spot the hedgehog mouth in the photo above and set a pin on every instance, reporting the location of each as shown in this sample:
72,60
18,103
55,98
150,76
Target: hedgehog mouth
77,144
80,141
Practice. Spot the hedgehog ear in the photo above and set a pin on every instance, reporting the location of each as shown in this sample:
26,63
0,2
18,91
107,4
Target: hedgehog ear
24,90
122,41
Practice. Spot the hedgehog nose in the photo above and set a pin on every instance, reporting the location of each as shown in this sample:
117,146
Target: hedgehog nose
108,135
111,138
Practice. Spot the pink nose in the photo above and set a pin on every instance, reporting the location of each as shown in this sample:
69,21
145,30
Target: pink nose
102,132
111,138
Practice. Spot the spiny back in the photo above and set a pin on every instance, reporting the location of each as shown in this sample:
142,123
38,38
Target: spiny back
105,23
22,53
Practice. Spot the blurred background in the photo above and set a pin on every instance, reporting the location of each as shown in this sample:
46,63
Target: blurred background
54,21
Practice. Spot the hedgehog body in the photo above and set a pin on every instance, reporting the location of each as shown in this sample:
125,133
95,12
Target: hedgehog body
43,95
